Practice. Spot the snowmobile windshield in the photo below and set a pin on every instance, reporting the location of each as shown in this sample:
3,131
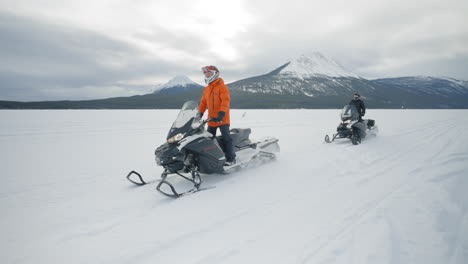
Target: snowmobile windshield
186,120
349,112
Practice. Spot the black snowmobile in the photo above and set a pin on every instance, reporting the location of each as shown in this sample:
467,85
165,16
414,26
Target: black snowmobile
350,126
190,150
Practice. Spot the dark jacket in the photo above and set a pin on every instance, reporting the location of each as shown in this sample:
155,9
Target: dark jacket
361,108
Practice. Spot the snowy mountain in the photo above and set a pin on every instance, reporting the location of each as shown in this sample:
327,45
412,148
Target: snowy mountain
312,76
318,81
438,86
317,65
314,81
176,85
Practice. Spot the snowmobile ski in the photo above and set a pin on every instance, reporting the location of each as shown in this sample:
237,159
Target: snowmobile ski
196,180
138,181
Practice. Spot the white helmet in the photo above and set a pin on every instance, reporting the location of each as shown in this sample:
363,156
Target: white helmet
213,70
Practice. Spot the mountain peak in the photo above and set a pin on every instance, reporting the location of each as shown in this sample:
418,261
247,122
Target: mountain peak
178,80
178,84
316,64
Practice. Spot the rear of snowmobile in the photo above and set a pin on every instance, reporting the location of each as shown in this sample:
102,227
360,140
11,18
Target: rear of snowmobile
351,128
190,151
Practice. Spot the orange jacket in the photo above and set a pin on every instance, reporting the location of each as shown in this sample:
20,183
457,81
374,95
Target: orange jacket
216,98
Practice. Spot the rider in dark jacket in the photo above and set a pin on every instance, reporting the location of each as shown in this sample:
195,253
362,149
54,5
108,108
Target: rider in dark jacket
359,104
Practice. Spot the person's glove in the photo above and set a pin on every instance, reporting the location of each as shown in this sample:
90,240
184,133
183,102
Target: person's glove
220,117
199,115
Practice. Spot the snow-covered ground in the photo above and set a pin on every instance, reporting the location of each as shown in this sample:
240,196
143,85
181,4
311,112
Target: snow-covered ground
401,197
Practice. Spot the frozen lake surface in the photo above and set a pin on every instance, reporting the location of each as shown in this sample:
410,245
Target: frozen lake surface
401,197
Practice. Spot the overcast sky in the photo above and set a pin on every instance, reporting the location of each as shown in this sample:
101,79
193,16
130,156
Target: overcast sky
87,49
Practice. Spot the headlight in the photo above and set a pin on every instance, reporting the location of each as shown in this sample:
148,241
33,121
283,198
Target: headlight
175,138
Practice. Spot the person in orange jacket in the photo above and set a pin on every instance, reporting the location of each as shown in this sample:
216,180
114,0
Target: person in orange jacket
217,99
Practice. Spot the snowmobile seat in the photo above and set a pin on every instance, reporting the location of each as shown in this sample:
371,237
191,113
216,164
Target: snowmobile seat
240,137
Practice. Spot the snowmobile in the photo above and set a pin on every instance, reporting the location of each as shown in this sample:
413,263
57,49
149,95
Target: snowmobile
190,151
350,126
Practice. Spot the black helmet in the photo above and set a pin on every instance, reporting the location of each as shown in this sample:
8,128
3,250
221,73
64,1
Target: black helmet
356,96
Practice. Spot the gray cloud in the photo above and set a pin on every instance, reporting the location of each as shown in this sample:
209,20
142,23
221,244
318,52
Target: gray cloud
42,58
45,60
372,38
